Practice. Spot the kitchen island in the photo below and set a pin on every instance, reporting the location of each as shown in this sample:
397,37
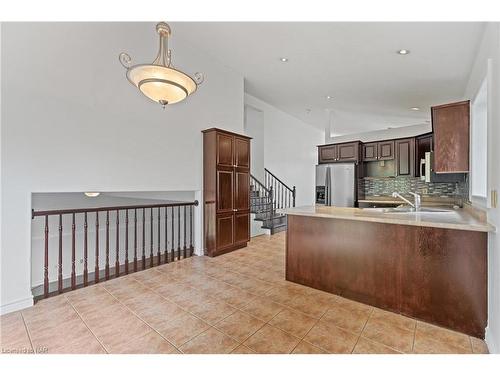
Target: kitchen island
430,266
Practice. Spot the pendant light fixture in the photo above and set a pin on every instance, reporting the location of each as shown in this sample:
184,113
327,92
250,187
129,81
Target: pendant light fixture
160,81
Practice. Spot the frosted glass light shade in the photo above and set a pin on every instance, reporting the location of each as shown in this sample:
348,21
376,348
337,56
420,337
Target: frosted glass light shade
161,84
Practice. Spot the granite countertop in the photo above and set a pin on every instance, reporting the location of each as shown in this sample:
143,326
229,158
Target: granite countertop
459,219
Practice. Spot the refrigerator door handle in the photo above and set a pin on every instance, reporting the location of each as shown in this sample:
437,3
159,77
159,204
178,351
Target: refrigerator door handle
328,187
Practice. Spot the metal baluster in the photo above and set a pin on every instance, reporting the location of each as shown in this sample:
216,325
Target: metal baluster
46,259
73,253
191,221
159,238
143,238
166,235
96,268
117,261
184,223
85,253
126,241
106,269
59,265
173,236
178,232
135,239
151,238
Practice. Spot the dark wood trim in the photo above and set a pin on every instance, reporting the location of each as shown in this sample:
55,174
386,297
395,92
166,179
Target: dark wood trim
218,130
110,208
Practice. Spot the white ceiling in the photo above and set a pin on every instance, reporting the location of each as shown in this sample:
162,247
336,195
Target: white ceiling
356,63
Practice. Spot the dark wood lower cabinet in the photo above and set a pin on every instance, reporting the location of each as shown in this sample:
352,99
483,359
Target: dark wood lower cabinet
433,274
242,227
225,235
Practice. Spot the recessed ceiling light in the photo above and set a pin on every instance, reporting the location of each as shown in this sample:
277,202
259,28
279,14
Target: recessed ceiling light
415,108
329,97
404,51
283,59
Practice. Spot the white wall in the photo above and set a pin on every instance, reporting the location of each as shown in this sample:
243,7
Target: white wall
72,122
490,50
254,127
345,123
289,149
379,135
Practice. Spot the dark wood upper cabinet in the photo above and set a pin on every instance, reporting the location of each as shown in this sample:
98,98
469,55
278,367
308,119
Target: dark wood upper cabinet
405,157
450,124
386,150
348,151
327,154
340,152
370,151
242,152
225,150
226,191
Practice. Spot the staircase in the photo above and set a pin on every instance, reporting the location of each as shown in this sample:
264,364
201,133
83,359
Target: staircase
268,196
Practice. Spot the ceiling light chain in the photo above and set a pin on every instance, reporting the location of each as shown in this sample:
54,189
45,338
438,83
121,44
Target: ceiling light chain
160,81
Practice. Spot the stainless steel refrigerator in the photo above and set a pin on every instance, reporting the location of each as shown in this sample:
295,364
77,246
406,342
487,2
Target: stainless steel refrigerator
335,184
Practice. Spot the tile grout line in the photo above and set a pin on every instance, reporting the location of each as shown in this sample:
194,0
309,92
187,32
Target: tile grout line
362,329
138,317
314,325
414,337
86,325
28,333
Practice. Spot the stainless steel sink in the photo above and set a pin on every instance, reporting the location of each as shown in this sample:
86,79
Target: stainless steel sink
406,209
409,210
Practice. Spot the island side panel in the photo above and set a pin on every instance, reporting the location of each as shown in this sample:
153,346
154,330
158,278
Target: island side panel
358,260
432,274
444,279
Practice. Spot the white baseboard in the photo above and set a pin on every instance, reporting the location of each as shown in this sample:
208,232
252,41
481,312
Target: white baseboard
491,341
16,305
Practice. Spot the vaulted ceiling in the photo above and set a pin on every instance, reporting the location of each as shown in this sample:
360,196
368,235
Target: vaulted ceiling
356,63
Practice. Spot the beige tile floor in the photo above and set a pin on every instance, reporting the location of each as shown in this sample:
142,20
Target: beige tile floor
235,303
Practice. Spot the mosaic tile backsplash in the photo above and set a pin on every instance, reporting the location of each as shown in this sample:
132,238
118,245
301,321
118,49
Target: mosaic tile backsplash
386,186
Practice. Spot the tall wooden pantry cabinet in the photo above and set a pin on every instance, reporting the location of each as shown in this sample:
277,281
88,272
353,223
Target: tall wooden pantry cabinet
226,191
